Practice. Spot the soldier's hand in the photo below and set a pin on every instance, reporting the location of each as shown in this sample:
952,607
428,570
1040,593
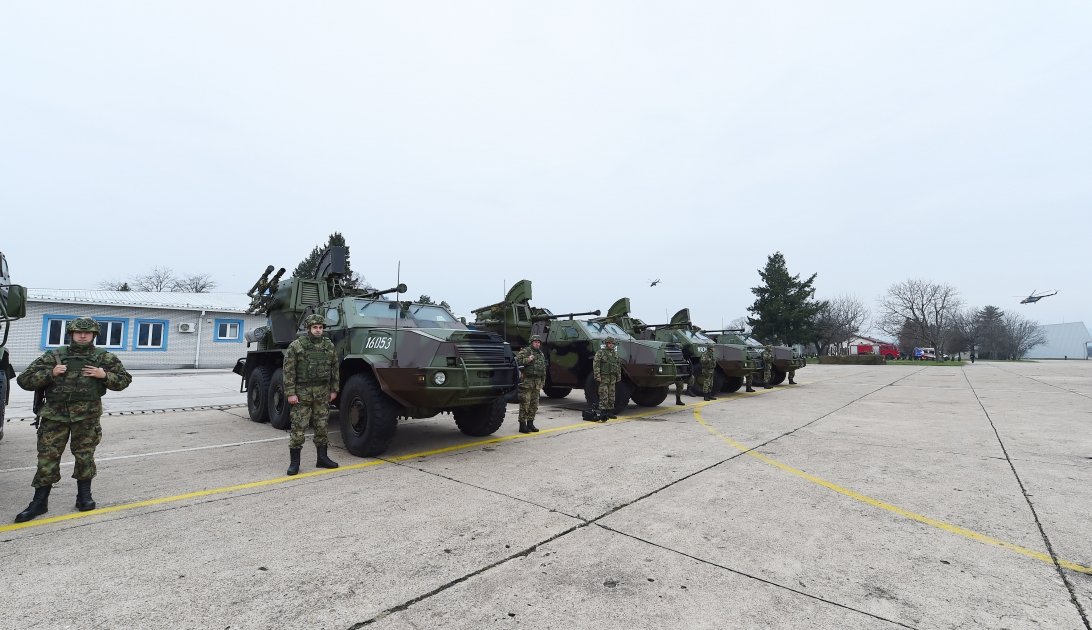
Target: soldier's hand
293,399
333,395
93,372
59,369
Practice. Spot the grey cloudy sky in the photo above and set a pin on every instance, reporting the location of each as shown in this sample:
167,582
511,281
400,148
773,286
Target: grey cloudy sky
588,146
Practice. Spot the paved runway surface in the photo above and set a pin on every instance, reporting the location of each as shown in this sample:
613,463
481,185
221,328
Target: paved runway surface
865,497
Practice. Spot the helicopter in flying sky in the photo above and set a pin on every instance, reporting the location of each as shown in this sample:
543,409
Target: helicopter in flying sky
1033,298
653,283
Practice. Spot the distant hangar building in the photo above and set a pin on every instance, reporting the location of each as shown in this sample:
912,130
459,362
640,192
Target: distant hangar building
1063,341
146,329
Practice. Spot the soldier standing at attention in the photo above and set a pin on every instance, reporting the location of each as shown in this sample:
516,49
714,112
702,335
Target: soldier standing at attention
73,379
708,368
311,381
606,370
767,366
533,362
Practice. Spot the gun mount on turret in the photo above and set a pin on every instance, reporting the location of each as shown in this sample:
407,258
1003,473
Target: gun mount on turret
13,306
570,345
784,357
397,358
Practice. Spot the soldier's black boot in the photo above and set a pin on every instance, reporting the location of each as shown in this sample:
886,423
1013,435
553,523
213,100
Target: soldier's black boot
38,505
324,460
792,382
678,399
767,387
750,389
294,461
84,502
523,427
708,397
531,428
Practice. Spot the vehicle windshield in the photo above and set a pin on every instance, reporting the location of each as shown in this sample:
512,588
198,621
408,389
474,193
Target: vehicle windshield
382,314
597,330
695,337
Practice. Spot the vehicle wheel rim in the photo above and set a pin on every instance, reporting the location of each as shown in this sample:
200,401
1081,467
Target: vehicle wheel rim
358,417
278,400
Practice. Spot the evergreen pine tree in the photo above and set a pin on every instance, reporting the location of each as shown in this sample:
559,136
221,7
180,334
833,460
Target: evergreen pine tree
784,310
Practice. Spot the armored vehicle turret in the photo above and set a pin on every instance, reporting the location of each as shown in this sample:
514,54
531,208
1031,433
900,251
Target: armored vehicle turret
733,362
570,345
13,306
397,358
784,357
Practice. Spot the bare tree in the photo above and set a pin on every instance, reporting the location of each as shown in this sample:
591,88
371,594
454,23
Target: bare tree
740,323
1019,335
196,283
114,285
839,320
158,279
920,309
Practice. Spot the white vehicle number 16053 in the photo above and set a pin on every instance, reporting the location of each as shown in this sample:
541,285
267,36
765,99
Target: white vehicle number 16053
378,343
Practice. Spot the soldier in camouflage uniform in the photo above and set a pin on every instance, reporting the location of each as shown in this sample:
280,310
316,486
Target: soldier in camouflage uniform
767,366
73,379
792,373
680,385
607,370
708,369
311,380
533,362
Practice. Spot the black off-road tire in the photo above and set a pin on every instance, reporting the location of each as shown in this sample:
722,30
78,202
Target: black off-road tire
622,391
368,417
731,384
3,400
777,376
481,420
649,396
556,391
280,412
257,394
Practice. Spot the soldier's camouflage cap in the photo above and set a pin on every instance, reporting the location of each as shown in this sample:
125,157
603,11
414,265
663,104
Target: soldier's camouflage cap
311,320
536,338
82,324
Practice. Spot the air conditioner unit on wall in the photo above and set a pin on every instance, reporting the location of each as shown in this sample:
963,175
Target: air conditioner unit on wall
186,327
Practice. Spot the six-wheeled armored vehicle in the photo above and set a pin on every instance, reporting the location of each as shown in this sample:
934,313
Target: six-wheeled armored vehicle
784,357
397,358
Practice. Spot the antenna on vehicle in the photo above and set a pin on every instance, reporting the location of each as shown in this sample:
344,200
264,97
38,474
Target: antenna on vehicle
504,320
397,311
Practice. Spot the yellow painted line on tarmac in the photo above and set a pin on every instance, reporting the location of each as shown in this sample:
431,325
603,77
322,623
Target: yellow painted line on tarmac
315,473
883,505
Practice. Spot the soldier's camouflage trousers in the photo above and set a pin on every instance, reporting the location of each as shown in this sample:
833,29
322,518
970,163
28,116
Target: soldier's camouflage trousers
707,382
529,390
314,409
767,374
606,394
52,437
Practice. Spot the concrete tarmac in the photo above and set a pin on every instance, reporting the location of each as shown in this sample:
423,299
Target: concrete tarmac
864,497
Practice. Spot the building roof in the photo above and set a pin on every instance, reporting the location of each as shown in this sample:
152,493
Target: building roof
1062,340
227,302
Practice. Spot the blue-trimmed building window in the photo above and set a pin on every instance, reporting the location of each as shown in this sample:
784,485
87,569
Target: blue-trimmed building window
228,330
112,333
151,334
53,333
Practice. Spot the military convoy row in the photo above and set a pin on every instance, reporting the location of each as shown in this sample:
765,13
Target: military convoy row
401,359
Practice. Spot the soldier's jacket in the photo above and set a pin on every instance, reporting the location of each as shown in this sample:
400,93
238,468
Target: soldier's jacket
708,360
73,397
310,362
767,356
605,365
534,369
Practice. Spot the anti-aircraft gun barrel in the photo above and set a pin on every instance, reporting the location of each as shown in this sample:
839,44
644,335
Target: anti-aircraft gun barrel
545,318
724,330
401,288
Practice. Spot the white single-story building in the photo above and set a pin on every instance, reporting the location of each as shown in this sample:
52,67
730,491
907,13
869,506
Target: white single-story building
145,329
1063,341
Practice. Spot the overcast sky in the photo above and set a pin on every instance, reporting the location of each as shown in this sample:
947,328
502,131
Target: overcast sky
589,146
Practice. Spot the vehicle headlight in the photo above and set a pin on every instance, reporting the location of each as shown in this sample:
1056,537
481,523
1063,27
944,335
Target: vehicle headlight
660,369
439,378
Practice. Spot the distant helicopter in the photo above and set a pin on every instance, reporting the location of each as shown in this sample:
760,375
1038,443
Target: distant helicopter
1031,299
653,283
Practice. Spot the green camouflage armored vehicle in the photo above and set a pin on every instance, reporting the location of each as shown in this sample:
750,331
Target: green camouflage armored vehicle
648,367
397,359
784,357
733,362
13,306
